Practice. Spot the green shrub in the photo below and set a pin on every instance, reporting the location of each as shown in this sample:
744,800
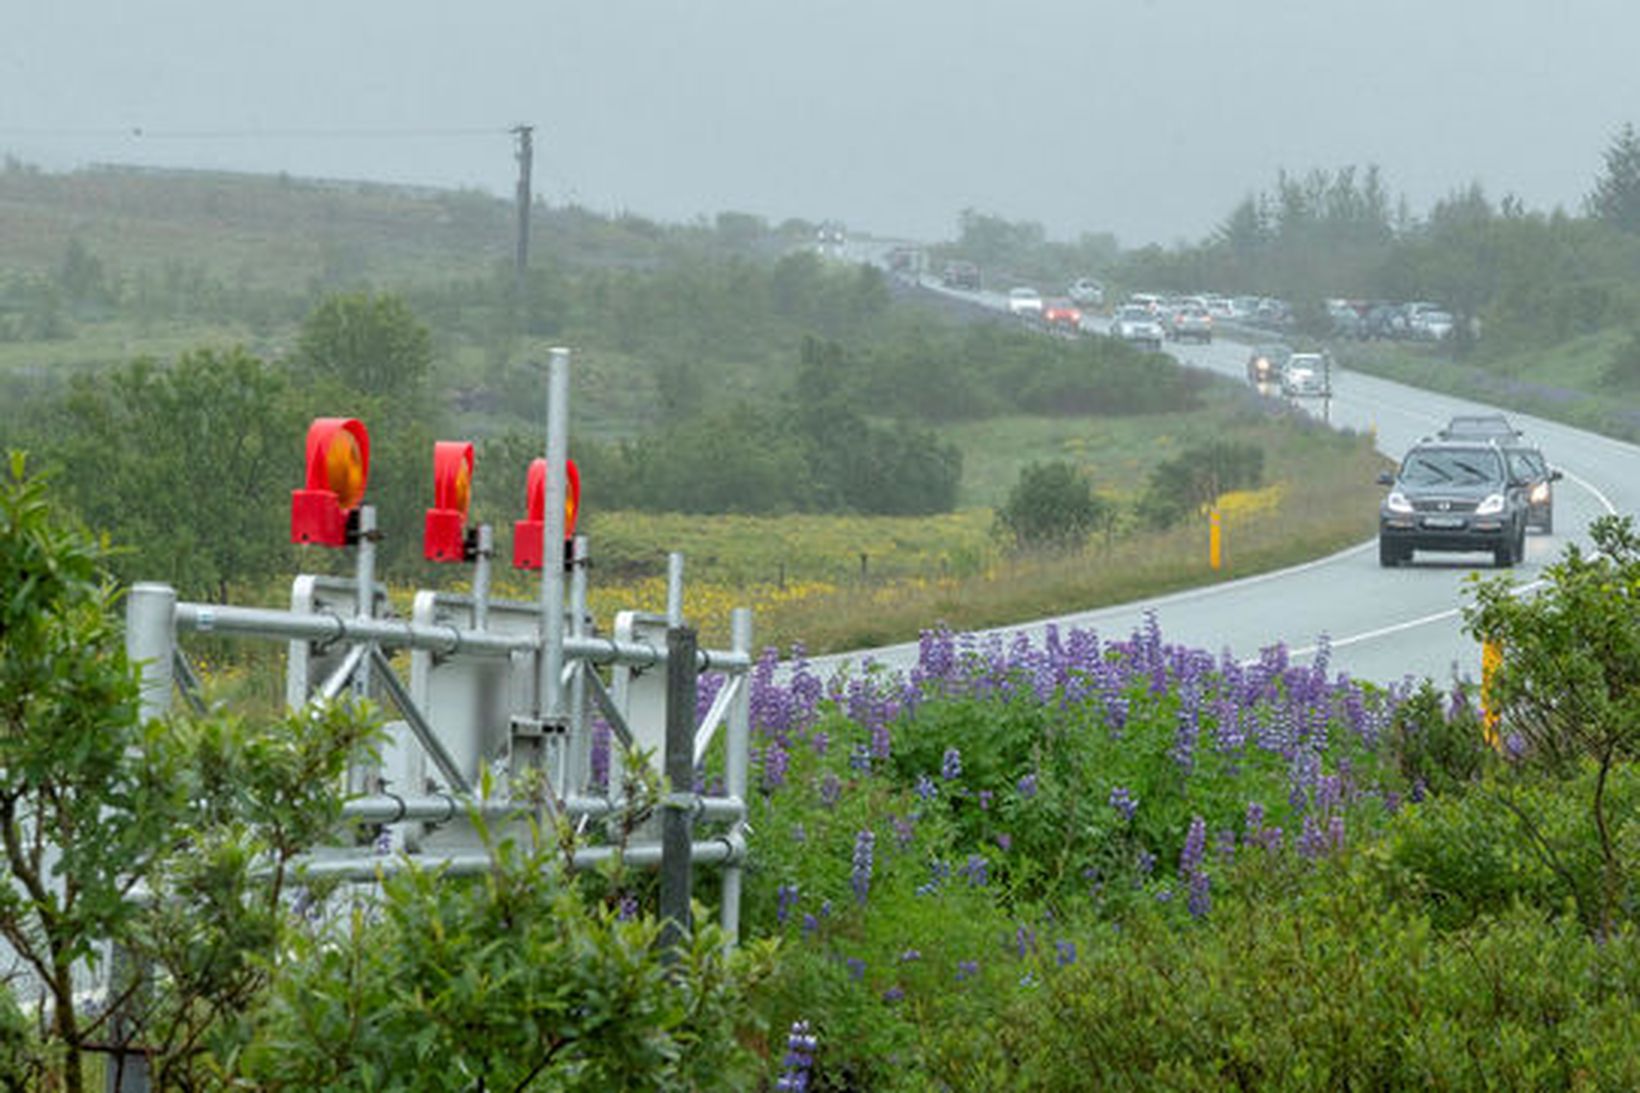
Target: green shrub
1052,505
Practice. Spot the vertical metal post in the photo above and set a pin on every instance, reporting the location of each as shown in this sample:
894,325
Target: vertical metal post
150,643
674,589
737,745
552,540
579,762
365,604
1215,539
678,820
481,577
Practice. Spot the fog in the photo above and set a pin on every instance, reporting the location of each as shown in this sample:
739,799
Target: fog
1147,119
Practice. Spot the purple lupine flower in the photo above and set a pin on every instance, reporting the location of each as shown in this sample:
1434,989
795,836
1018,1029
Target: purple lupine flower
894,994
860,759
785,898
860,879
1335,832
830,790
1224,845
905,831
925,788
1024,941
800,834
1312,844
951,765
627,909
967,969
1026,787
1146,862
1005,841
1200,899
1064,952
810,923
976,871
1124,802
801,1045
775,762
820,742
1255,819
909,956
1195,847
984,800
856,968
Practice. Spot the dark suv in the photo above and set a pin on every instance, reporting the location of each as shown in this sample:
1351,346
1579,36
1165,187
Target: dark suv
1454,495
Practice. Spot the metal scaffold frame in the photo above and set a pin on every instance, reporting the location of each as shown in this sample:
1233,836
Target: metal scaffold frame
497,688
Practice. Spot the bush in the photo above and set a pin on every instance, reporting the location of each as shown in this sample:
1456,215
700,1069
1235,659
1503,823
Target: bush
1052,505
1194,479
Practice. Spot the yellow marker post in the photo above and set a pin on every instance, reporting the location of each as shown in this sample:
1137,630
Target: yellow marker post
1215,539
1491,659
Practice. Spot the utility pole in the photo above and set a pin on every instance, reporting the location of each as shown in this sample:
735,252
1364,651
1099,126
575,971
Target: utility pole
526,159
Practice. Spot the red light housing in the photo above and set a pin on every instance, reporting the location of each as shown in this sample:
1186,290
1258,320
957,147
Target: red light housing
529,533
444,538
338,467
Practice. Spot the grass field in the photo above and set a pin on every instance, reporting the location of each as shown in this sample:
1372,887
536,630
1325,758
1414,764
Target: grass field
842,582
1564,383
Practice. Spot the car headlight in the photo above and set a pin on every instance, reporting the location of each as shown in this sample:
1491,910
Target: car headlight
1540,493
1491,506
1397,502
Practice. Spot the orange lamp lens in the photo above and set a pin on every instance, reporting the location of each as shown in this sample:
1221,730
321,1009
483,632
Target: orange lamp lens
344,468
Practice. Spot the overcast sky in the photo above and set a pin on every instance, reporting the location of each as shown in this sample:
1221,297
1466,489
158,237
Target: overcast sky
1146,118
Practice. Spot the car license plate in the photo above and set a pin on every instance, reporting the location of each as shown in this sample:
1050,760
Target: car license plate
1443,521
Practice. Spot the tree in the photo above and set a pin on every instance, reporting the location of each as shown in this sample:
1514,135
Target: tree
1567,691
371,344
1052,505
189,464
1616,196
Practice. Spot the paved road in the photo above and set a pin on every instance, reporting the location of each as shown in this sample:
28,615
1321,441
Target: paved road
1382,625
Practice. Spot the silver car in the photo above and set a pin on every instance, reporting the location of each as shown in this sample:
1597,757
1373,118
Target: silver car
1136,325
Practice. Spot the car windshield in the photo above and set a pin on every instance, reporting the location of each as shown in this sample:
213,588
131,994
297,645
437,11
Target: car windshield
1451,466
1524,463
1024,294
1134,314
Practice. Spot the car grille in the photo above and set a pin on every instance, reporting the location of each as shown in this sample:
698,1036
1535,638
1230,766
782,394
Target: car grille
1443,504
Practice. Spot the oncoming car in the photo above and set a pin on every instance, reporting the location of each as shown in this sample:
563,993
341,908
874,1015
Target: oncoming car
1453,496
1526,463
1264,364
1026,302
1136,325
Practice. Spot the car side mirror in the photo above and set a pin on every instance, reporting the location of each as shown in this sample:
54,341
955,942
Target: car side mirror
1385,478
1555,475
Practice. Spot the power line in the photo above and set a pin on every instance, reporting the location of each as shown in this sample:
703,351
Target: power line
144,133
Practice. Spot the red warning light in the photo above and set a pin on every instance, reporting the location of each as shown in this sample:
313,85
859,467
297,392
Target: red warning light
529,532
338,466
445,537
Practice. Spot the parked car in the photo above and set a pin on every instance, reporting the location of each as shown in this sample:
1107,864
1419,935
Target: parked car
1025,302
1087,292
1265,362
1453,495
1135,324
1526,463
1306,375
1191,321
960,274
1433,325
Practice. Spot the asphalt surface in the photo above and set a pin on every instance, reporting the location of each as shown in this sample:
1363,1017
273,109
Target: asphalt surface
1384,625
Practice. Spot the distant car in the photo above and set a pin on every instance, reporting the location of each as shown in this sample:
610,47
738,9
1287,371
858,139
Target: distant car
1479,427
1453,495
1062,315
1306,375
1265,362
960,274
1087,292
1026,302
1136,325
1526,464
1191,321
